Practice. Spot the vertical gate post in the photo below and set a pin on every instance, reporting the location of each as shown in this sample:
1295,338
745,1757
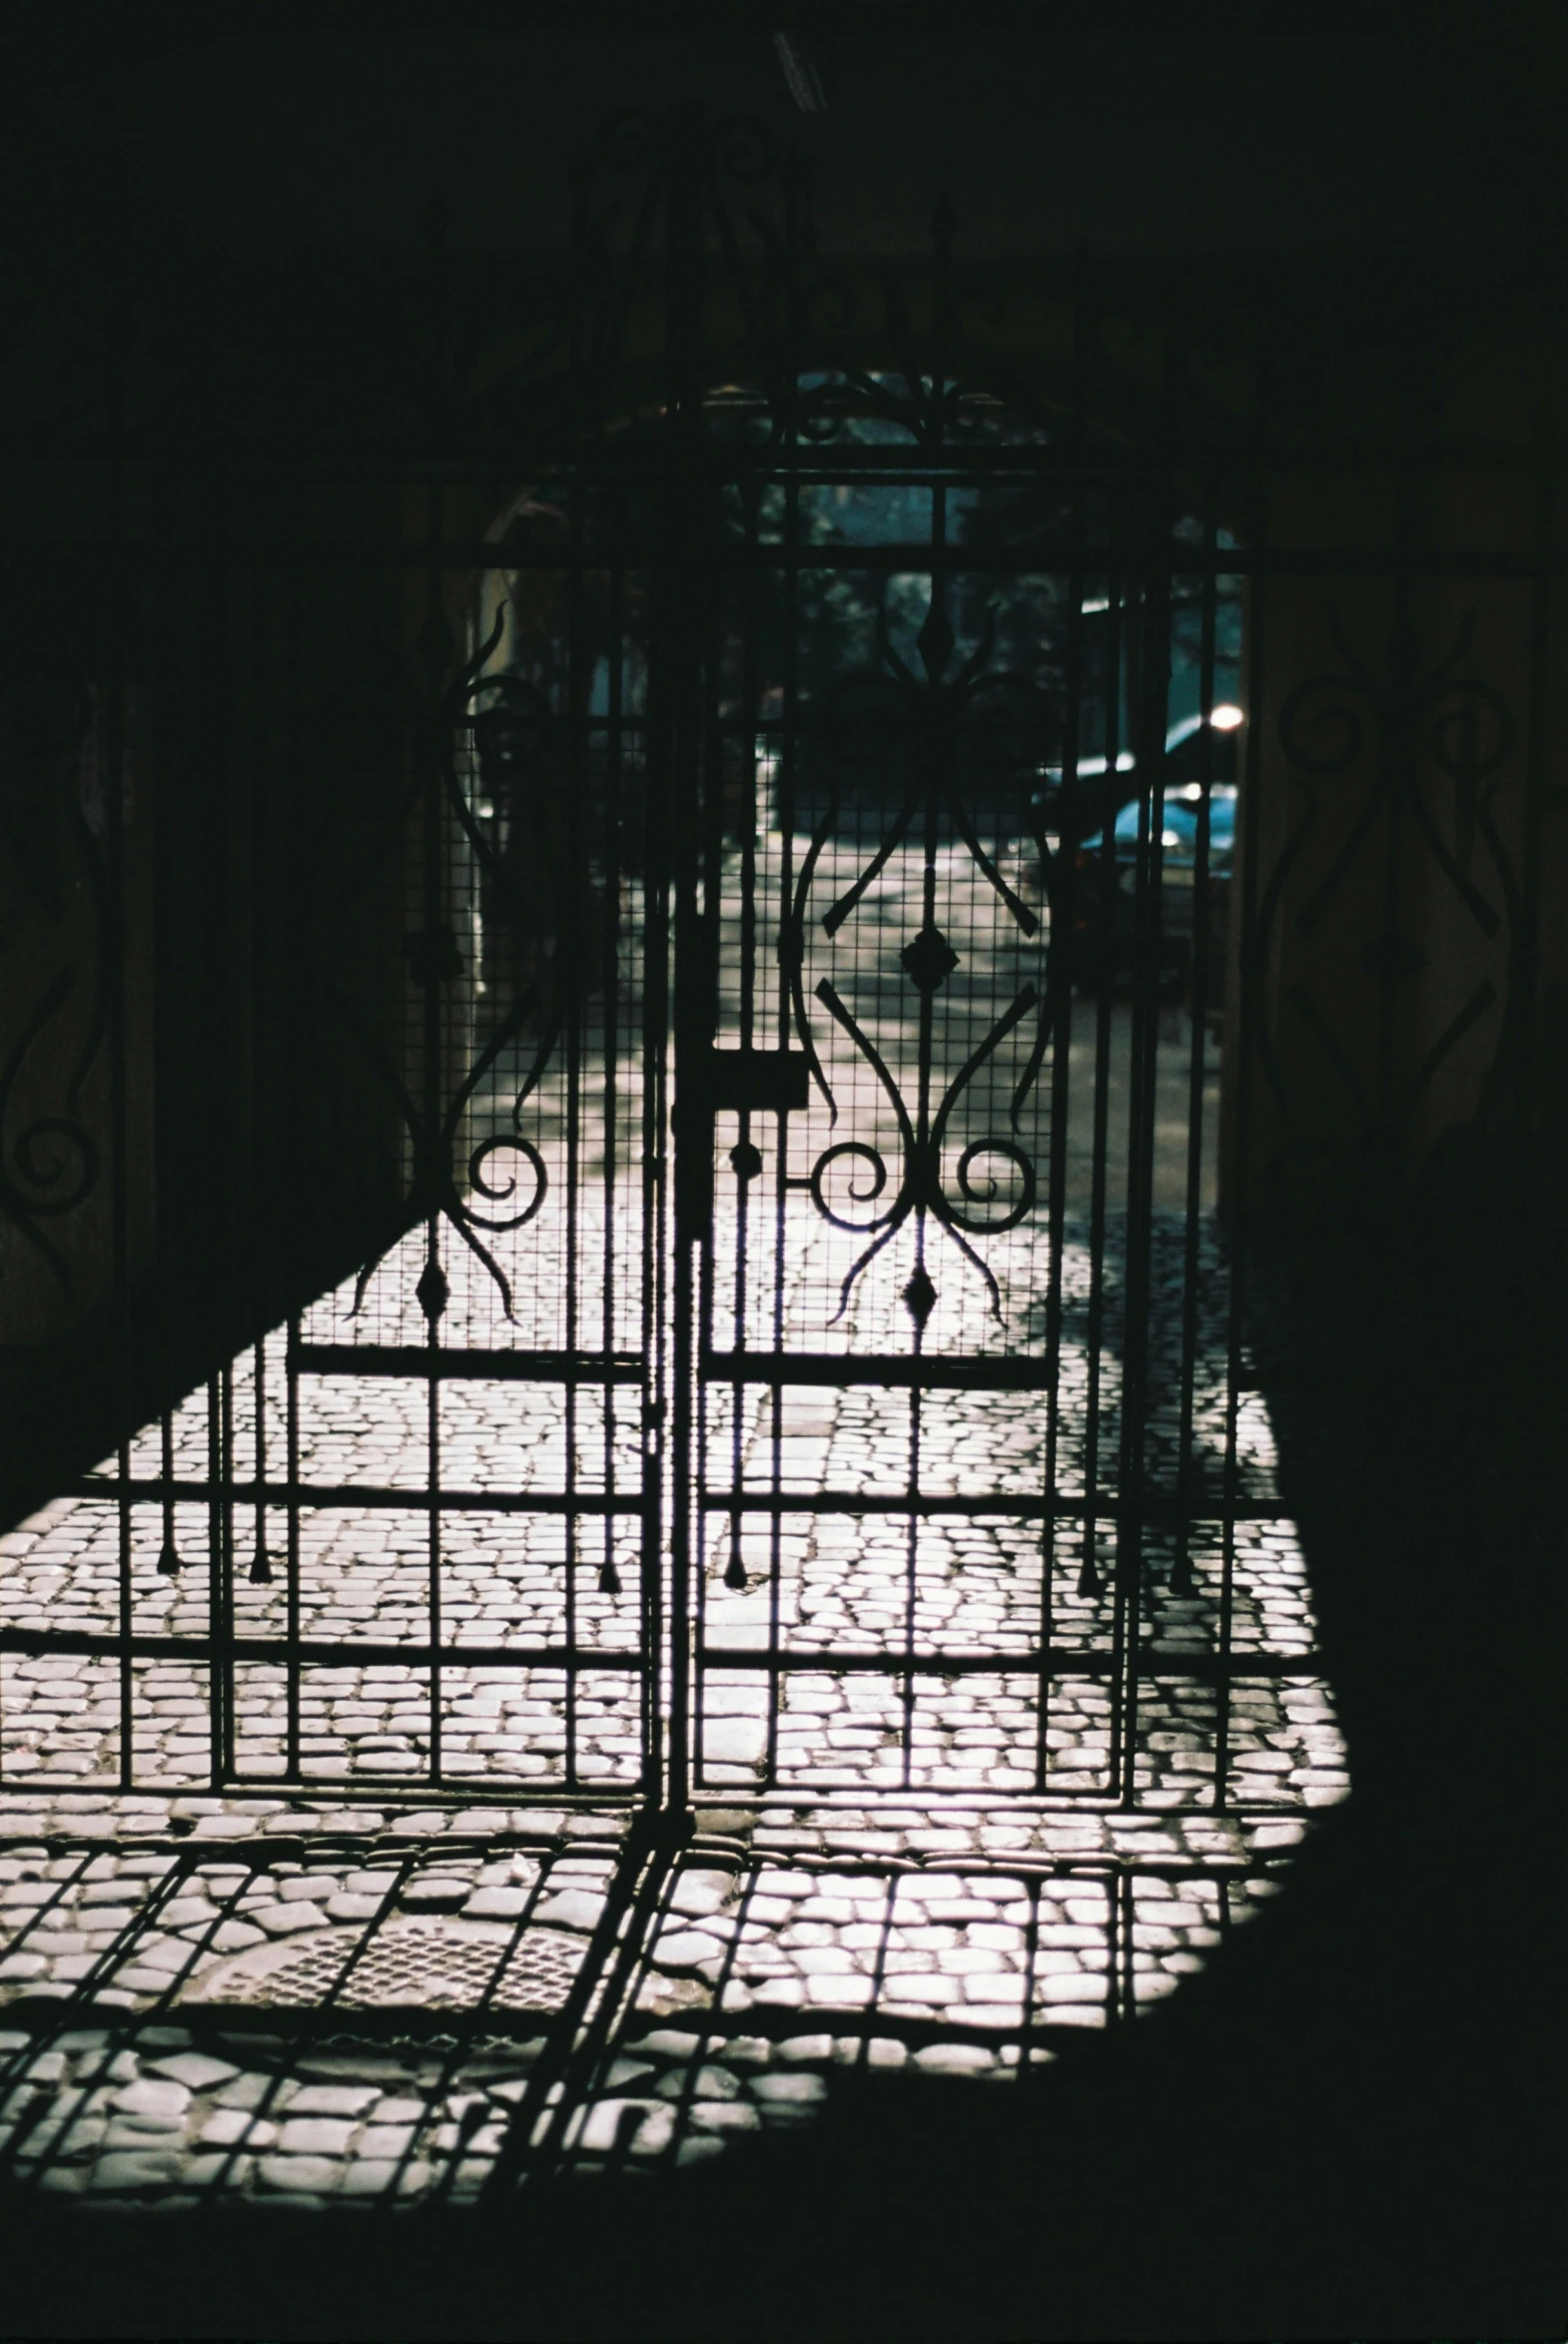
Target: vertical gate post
681,568
1150,716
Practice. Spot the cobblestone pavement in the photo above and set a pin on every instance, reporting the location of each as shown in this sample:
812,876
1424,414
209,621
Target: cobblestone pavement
274,2012
824,1581
345,1986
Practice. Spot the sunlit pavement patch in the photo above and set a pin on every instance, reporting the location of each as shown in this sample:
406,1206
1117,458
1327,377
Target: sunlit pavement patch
731,1996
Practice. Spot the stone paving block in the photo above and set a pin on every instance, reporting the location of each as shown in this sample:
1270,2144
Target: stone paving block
309,1888
315,2136
245,2091
495,1904
160,2098
668,2042
469,2177
923,1988
952,2058
106,1919
70,2137
141,2169
135,2131
719,2115
748,2052
281,1920
230,2174
63,2180
435,1894
111,2066
135,1979
798,2048
232,1936
167,1955
226,2127
688,1948
608,2125
195,2070
374,2174
332,2099
190,1912
57,1940
307,2175
344,1906
710,2082
577,1909
702,1891
799,2090
122,1889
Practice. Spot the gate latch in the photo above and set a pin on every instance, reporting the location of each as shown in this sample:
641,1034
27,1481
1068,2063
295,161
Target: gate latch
754,1081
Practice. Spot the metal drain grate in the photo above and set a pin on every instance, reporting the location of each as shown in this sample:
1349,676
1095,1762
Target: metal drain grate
425,1964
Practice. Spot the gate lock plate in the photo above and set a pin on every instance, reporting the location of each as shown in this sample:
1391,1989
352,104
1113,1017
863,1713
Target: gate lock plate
752,1082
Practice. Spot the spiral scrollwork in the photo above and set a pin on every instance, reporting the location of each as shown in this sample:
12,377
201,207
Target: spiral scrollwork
859,1151
1023,1204
1457,746
58,1161
52,1164
744,150
1333,708
495,1194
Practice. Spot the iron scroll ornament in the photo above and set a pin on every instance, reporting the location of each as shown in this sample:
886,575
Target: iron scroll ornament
920,1189
937,718
510,719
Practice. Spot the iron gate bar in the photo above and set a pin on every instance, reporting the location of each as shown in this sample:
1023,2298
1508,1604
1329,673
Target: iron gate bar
1150,724
516,1366
1105,1504
1224,458
1241,561
1062,1660
352,1494
1072,731
892,1370
1247,1022
612,1659
1181,1568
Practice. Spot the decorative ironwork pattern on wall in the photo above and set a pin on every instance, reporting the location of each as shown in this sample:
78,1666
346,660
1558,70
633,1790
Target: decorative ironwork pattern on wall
57,948
1397,769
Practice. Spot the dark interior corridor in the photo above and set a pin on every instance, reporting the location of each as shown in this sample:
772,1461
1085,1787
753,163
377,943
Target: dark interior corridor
783,1115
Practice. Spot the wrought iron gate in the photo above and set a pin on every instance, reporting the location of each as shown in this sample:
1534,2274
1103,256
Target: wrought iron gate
716,951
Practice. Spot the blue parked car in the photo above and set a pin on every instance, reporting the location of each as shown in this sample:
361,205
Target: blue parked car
1178,840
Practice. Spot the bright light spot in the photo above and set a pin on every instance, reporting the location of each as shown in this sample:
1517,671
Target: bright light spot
1225,717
